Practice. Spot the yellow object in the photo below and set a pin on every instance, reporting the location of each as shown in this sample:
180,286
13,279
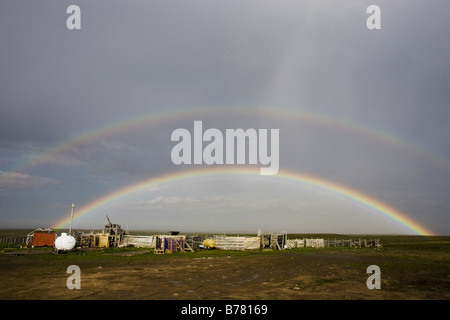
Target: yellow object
101,240
208,243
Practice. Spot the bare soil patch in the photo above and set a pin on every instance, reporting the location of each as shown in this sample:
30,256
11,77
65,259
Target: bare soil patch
288,275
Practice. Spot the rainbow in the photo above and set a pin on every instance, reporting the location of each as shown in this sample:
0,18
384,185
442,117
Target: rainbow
317,182
287,114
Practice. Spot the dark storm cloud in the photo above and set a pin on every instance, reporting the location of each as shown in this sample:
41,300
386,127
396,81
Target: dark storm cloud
138,58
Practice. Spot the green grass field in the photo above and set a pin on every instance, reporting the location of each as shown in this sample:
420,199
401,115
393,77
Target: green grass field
412,267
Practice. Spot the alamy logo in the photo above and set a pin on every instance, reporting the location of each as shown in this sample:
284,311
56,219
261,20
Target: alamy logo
374,281
231,150
74,280
73,22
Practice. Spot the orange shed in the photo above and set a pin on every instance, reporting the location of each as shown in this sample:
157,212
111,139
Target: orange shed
43,239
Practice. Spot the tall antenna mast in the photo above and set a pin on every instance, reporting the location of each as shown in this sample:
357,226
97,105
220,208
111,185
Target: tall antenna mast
71,218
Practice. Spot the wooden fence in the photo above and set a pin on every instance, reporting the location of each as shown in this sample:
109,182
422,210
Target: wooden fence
13,240
320,243
356,243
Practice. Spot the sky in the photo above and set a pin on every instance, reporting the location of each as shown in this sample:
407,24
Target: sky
85,113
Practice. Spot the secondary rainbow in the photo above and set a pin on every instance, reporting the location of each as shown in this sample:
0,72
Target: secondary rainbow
281,113
377,206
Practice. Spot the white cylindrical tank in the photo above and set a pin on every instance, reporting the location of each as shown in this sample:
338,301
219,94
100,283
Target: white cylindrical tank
65,242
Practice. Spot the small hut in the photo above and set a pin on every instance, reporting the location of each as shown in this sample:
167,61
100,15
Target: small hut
41,237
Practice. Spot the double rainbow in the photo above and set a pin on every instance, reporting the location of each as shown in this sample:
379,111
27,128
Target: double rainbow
115,128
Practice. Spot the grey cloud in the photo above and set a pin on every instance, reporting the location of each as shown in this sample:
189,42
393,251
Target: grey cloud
15,180
139,58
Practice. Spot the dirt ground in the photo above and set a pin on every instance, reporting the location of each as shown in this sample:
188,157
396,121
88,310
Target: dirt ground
290,275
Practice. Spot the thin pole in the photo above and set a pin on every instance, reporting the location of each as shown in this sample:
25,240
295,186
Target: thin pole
71,218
